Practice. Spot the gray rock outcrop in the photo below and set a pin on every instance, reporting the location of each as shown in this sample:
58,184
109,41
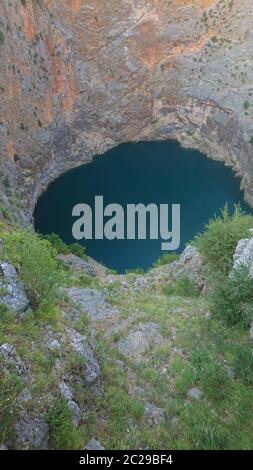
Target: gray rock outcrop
32,432
93,444
12,293
91,368
191,264
251,332
194,393
93,302
72,405
84,265
154,414
139,340
10,359
244,255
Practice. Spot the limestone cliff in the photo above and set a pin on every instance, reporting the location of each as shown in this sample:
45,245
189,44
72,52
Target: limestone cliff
78,77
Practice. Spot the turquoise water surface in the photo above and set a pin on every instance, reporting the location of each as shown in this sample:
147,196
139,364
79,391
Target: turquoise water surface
147,172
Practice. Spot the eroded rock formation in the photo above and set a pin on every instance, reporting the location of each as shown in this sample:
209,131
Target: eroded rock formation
79,77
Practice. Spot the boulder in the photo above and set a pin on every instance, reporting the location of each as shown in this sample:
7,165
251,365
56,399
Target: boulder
32,432
244,255
12,293
154,415
208,315
24,397
93,444
3,447
11,359
139,340
72,405
251,331
90,364
93,302
190,264
86,265
194,393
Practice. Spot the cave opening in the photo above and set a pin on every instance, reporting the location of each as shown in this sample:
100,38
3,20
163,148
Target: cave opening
147,173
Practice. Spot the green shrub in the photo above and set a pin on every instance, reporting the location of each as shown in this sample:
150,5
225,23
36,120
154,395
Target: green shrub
1,38
221,235
232,298
35,260
6,182
166,258
62,432
77,250
58,244
136,409
243,363
150,374
63,248
85,280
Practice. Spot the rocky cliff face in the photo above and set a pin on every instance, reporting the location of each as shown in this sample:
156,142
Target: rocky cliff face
79,77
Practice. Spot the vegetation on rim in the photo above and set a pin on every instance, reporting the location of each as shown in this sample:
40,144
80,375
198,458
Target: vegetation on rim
213,353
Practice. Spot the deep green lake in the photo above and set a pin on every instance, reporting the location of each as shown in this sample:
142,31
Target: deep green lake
147,172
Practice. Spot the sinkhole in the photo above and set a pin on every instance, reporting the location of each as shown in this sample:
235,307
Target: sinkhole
145,172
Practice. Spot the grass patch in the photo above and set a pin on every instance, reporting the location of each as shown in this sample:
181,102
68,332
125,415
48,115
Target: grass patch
232,298
243,363
218,242
62,432
183,287
10,387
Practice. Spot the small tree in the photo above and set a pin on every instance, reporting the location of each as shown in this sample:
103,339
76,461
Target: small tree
35,260
218,242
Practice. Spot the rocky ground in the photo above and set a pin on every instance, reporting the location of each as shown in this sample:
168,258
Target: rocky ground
138,360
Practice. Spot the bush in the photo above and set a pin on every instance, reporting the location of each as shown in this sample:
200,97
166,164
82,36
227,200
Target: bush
232,298
218,242
35,260
63,248
57,243
77,250
62,432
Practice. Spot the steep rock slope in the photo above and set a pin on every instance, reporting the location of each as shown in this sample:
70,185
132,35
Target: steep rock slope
79,77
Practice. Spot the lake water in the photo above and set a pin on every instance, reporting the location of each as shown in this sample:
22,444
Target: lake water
158,172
